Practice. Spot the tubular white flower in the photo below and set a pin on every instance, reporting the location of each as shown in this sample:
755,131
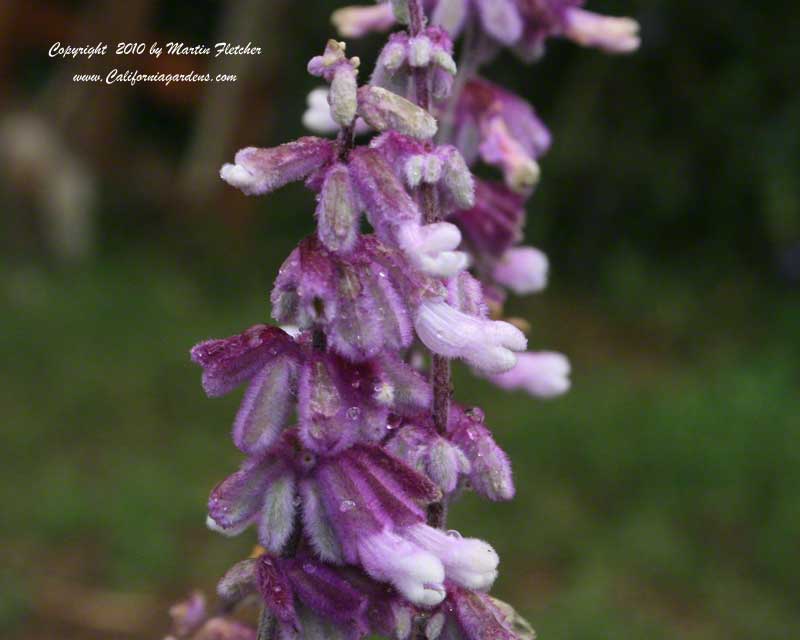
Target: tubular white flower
417,574
431,248
612,35
469,562
487,345
544,374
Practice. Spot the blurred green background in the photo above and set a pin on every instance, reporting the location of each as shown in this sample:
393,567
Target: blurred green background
659,499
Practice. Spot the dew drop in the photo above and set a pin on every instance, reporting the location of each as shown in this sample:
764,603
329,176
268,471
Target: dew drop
346,505
354,413
452,533
472,433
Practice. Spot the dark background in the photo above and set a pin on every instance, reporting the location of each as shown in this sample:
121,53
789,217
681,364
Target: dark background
659,499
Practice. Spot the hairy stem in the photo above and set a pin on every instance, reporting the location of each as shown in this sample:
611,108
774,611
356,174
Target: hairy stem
440,369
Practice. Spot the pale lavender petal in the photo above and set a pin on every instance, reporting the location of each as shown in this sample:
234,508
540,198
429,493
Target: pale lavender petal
524,270
488,345
415,573
543,374
356,22
500,19
612,35
468,562
450,15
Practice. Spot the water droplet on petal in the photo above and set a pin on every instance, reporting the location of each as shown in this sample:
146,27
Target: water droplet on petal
472,433
452,533
309,568
347,505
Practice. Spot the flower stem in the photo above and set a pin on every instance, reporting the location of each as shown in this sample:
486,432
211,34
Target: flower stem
440,369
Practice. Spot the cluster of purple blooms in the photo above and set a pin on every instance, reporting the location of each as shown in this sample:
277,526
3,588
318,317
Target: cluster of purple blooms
352,453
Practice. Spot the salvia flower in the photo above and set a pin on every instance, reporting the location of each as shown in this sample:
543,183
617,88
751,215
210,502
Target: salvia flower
351,452
488,345
544,374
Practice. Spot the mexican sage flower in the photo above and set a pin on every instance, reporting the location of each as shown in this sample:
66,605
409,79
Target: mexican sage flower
352,448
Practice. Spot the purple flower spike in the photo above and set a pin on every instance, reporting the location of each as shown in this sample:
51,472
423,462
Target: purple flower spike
490,472
488,345
338,214
543,374
523,270
259,171
386,111
229,362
